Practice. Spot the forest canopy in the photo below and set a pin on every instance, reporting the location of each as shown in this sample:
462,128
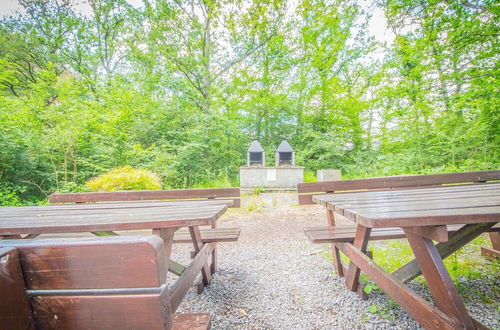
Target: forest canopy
180,88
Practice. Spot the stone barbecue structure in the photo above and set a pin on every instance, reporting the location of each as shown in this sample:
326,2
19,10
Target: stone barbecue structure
285,174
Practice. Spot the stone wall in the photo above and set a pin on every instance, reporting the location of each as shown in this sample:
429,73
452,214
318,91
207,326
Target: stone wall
328,175
271,177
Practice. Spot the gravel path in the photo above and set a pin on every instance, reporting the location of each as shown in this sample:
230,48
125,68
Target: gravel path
274,278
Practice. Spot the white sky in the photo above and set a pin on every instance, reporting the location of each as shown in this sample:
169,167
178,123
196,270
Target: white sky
377,26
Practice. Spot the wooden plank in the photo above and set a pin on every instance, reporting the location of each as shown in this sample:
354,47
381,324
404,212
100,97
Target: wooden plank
398,206
116,220
52,213
135,311
423,312
457,240
186,280
96,262
210,235
114,205
346,233
369,200
436,233
198,244
490,253
399,181
361,242
196,321
464,215
144,195
15,311
444,293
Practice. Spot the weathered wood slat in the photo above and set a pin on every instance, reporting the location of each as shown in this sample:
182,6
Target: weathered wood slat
144,195
129,219
422,311
457,240
364,199
346,233
97,262
209,235
197,321
182,285
136,311
125,213
432,217
399,181
416,206
15,311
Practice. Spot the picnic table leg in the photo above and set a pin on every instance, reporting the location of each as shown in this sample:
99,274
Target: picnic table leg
337,263
198,244
444,293
361,242
213,265
494,252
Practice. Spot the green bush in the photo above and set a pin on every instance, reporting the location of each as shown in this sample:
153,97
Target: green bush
125,178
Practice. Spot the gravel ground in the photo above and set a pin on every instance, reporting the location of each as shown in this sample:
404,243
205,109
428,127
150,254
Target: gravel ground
274,278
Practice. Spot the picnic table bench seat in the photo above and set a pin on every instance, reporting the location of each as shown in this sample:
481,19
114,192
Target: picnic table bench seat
88,283
338,234
209,235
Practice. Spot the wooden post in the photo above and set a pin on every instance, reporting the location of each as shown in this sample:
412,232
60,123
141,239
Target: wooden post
337,262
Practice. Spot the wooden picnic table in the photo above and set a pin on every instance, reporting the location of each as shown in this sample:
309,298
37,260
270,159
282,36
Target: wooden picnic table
423,215
162,217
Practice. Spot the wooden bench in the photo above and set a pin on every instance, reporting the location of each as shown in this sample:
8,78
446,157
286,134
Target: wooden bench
88,283
307,190
340,234
334,233
212,235
149,195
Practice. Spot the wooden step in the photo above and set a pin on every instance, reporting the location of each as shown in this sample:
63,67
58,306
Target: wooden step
209,235
197,321
346,233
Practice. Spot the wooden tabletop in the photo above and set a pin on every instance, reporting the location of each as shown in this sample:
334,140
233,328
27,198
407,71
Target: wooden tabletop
418,207
109,216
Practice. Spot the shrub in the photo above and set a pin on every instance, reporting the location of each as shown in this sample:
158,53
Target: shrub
125,178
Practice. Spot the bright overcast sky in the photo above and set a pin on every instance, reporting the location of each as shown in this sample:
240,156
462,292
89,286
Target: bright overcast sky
377,27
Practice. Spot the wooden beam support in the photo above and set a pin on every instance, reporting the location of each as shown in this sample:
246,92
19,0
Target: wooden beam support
198,244
423,312
444,293
490,253
185,281
460,238
361,242
435,233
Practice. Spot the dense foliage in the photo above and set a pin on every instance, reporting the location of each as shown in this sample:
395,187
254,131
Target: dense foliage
181,87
